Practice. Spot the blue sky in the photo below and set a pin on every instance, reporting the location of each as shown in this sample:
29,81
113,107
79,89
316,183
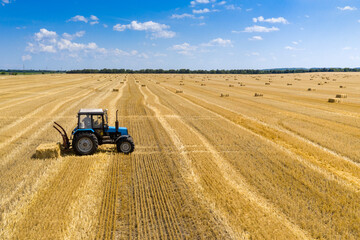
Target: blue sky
199,34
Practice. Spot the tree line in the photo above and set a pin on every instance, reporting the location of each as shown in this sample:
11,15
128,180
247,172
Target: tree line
218,71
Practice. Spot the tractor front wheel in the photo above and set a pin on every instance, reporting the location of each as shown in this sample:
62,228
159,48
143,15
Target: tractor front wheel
125,146
85,143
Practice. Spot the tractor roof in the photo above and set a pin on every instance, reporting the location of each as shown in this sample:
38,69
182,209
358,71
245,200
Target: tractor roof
91,111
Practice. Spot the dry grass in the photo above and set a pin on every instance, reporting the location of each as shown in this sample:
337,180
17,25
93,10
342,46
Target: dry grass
205,167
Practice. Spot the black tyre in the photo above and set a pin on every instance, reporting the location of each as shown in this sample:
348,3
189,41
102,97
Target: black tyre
85,143
125,146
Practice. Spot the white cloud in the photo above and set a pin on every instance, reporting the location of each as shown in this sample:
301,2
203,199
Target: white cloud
232,7
105,25
346,48
157,30
47,48
73,36
94,18
295,43
184,49
164,34
187,49
193,3
271,20
65,44
3,2
119,27
26,57
289,48
44,33
78,18
218,42
347,8
119,52
201,11
180,16
222,3
256,38
257,28
49,42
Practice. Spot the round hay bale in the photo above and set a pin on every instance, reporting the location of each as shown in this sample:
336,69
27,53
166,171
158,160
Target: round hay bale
143,85
224,95
178,91
311,89
258,95
115,89
342,86
267,83
48,150
203,84
289,84
231,85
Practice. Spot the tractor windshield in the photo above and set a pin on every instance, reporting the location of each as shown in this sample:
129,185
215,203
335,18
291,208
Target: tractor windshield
84,121
97,121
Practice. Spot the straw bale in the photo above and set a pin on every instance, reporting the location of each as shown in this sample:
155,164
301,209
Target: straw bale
341,95
334,100
48,150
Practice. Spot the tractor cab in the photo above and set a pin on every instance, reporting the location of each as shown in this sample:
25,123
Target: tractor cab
93,130
93,119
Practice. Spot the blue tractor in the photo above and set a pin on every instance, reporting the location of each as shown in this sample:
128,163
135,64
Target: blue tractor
93,130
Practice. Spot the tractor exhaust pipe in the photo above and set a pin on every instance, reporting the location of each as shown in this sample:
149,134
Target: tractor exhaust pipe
116,123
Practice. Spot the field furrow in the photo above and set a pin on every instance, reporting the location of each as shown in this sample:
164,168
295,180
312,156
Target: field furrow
211,160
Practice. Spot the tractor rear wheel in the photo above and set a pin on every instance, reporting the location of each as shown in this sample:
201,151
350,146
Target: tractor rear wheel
125,146
85,143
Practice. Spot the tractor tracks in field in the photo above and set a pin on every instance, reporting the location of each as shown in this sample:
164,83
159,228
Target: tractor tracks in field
15,207
31,126
42,95
106,226
267,132
231,177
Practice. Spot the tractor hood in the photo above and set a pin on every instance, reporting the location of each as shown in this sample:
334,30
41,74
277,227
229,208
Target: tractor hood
122,130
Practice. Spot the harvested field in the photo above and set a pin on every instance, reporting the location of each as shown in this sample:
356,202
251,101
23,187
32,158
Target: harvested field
285,165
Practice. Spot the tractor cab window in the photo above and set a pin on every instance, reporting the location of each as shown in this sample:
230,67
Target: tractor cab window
97,121
84,121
